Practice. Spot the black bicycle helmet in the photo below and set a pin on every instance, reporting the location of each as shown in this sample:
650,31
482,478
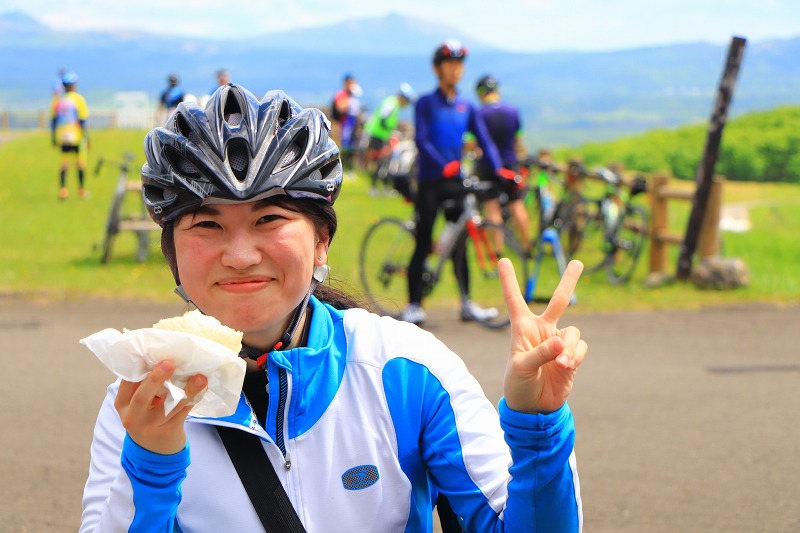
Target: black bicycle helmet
487,84
450,49
238,149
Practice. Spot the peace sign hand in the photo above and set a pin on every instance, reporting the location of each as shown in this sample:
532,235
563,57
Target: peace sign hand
541,369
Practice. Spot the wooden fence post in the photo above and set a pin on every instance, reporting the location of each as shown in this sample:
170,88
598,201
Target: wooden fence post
659,222
706,169
708,242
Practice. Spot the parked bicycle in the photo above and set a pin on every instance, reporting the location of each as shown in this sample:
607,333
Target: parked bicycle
399,167
550,210
388,245
610,230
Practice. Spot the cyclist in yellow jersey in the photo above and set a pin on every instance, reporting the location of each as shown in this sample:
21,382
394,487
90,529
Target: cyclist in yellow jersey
68,126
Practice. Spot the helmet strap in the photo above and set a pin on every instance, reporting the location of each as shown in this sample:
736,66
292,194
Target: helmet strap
320,274
182,293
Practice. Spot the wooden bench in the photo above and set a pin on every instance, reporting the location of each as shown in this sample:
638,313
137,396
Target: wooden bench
119,220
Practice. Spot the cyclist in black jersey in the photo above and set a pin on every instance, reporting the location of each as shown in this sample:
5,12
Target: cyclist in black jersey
505,128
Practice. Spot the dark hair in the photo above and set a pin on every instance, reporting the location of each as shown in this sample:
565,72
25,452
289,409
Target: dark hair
321,214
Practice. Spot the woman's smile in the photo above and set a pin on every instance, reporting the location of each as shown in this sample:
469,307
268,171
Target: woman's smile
244,285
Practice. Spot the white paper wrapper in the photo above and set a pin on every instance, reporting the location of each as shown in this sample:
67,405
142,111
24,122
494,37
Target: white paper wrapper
133,354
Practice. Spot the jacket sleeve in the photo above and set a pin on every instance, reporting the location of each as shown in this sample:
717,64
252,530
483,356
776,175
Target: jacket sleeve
543,473
512,474
129,488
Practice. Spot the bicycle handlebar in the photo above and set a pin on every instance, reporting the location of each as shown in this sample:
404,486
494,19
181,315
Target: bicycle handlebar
124,165
538,163
609,176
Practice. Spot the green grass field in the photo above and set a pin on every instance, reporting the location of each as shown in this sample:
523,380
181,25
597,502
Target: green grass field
52,248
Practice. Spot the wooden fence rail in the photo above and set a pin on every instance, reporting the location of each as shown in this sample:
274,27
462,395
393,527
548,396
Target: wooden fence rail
660,236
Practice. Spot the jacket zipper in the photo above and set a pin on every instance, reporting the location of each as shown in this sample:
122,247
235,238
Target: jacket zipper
283,393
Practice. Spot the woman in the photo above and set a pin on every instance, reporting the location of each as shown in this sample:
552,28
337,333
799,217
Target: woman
244,192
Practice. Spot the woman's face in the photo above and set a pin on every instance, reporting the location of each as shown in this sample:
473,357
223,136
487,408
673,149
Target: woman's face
249,265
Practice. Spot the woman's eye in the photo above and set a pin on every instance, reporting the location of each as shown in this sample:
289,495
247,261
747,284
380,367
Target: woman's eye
269,218
206,224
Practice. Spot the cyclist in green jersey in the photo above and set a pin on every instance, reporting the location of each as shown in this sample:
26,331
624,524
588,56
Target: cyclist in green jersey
381,125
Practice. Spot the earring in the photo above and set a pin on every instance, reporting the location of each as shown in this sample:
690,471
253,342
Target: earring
319,258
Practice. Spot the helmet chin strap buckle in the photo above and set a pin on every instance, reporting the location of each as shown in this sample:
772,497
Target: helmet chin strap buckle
321,273
182,293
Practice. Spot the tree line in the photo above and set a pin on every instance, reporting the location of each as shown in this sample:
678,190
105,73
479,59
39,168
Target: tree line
758,146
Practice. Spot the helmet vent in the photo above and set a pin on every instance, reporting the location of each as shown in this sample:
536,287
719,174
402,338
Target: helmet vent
289,156
238,158
292,153
328,171
180,164
285,114
182,125
233,111
234,120
155,195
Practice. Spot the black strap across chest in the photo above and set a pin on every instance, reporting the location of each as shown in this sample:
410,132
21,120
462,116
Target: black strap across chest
261,482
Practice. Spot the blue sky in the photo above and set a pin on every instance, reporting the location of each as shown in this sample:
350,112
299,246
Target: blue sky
521,25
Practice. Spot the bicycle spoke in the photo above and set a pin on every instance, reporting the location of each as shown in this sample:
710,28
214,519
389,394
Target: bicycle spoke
584,235
383,265
628,243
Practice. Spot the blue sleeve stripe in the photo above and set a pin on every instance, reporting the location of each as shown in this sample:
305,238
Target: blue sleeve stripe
156,483
429,444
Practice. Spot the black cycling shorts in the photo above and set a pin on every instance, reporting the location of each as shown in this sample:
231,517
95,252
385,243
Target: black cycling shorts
502,187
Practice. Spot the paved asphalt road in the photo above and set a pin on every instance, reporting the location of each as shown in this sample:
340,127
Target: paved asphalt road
687,421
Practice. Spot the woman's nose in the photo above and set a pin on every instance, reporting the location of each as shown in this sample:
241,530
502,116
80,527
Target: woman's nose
241,251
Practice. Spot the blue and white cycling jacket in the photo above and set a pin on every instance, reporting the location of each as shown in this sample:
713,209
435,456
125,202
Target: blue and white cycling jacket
364,426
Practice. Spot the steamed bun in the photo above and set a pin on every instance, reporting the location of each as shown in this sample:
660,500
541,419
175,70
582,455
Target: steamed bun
197,323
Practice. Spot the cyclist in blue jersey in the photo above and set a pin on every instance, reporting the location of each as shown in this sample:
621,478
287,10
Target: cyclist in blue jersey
442,118
505,128
172,95
362,420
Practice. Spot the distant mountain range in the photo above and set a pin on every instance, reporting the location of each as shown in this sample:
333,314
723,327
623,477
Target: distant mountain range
565,97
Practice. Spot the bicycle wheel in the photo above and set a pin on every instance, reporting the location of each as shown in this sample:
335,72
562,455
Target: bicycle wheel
627,245
583,234
485,288
383,264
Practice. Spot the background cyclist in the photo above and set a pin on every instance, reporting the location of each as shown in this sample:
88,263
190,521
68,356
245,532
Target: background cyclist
69,132
505,128
346,112
380,127
172,95
442,118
